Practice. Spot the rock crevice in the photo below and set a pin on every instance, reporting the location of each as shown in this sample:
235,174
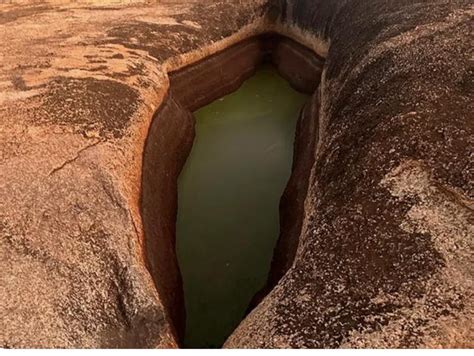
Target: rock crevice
172,132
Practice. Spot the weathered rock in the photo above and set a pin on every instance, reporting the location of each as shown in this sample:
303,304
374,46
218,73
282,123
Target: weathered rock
385,254
384,258
79,86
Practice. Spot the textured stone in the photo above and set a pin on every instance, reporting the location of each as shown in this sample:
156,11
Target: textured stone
385,254
79,84
384,257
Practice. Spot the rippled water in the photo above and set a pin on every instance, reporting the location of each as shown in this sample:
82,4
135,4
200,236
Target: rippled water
228,197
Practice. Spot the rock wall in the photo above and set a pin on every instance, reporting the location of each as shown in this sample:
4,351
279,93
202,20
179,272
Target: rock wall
292,204
384,255
384,258
169,142
171,136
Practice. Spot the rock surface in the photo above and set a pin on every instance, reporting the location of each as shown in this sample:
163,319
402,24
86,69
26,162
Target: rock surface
79,84
385,254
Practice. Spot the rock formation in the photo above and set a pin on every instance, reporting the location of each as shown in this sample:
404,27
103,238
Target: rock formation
377,251
385,254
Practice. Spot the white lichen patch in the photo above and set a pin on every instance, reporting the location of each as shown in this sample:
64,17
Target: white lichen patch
445,215
447,219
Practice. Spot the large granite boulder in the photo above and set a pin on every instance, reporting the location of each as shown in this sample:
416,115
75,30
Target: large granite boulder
385,253
382,256
79,85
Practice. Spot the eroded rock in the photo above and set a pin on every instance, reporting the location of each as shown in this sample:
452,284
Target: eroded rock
384,254
80,84
390,197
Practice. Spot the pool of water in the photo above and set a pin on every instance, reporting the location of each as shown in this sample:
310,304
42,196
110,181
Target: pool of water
228,199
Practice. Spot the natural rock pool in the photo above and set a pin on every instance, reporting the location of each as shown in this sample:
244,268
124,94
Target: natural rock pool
228,202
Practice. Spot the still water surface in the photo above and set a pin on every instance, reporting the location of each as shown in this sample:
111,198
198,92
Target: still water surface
228,197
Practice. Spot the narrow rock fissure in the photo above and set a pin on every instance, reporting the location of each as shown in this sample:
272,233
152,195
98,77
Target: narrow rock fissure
169,145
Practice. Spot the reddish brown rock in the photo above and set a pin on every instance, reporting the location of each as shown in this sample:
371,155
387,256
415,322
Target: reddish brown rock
376,244
384,257
79,87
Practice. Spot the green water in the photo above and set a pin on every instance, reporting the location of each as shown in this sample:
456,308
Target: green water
228,198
